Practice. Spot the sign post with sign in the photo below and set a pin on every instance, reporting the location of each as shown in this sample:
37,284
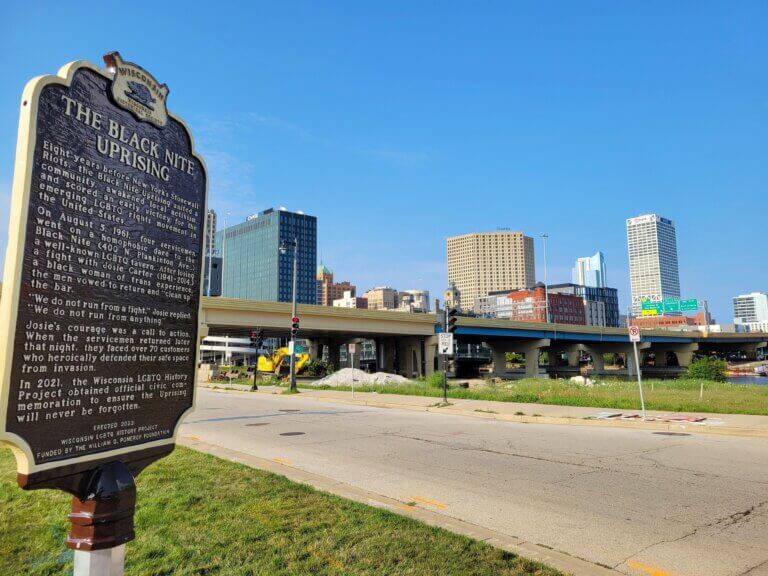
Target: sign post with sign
445,344
634,337
99,315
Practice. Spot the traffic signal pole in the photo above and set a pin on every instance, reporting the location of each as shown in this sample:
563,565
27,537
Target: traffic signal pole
293,315
445,364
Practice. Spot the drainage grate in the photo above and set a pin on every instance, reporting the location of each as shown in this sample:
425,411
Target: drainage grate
671,433
291,433
258,424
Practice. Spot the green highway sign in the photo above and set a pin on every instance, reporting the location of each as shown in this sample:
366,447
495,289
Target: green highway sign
652,307
646,304
691,305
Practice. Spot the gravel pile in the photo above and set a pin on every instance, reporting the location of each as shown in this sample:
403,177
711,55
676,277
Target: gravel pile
345,376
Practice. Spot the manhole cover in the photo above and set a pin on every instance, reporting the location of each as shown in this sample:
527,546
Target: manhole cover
258,424
671,433
289,410
291,433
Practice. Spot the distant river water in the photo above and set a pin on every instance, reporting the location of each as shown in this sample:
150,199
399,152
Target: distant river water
748,380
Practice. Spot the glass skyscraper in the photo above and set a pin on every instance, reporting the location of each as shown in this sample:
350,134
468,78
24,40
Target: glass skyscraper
254,269
653,268
590,271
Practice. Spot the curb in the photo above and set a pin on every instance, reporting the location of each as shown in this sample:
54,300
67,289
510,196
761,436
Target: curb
554,420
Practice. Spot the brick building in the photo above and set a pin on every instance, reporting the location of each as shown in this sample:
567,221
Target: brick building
328,290
529,305
671,322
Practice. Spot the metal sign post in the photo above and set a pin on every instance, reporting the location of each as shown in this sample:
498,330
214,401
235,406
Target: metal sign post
352,365
445,347
634,337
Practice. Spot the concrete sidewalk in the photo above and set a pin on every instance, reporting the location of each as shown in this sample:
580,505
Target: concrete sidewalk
725,424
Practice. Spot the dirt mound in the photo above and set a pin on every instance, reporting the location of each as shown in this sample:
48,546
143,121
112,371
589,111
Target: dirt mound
346,376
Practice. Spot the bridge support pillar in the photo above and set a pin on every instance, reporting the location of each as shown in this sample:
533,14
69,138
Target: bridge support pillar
631,365
385,355
430,354
499,358
557,350
532,362
629,355
530,348
334,354
574,352
315,349
684,354
661,358
598,362
409,357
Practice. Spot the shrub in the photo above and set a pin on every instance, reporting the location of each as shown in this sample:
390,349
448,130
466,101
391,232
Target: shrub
708,369
435,380
317,368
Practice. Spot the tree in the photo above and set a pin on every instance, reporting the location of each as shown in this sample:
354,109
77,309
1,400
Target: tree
708,368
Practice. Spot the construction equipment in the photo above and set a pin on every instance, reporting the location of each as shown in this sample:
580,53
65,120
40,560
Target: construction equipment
278,362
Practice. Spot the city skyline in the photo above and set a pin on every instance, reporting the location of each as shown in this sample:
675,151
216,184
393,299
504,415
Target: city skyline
562,126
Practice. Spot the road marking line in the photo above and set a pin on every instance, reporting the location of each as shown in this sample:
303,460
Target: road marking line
283,461
404,507
194,438
650,570
423,500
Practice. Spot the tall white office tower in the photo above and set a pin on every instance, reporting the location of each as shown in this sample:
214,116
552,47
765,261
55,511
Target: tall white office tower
653,267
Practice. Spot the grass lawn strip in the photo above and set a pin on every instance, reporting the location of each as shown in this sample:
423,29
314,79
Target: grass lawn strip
200,515
680,395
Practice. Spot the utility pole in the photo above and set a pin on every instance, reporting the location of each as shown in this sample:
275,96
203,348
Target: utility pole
546,286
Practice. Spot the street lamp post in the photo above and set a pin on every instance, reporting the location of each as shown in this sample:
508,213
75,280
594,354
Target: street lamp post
292,347
210,252
223,252
546,286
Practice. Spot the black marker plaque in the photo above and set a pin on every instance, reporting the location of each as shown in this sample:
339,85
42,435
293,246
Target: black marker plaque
103,301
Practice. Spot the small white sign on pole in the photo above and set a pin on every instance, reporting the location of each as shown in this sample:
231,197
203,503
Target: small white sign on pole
291,347
351,348
634,337
445,344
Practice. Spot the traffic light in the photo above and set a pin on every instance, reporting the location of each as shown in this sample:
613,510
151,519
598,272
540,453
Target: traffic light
294,326
257,338
451,318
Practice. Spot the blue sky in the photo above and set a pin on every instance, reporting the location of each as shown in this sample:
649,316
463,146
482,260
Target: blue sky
400,124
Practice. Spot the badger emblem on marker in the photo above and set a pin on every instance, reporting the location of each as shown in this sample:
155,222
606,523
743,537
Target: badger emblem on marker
136,90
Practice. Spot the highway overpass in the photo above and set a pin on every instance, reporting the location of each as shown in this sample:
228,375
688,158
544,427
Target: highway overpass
407,343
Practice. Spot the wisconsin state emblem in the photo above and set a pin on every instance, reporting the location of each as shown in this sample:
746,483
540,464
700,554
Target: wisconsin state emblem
136,90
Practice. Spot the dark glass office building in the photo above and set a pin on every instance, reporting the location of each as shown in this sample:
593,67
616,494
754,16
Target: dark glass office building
601,305
254,268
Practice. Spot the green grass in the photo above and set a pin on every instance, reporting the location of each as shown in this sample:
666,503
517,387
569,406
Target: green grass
681,395
199,515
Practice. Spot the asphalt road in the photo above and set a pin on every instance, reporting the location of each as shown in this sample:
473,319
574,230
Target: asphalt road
637,501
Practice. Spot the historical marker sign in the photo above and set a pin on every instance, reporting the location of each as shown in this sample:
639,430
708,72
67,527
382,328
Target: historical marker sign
100,304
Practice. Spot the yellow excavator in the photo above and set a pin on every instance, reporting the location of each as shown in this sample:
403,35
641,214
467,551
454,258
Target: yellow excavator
279,363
